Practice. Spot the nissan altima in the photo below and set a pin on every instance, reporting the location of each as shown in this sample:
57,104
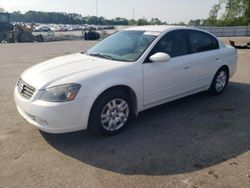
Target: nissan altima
126,73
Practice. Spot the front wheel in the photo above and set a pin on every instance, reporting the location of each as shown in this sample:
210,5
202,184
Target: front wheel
219,82
110,113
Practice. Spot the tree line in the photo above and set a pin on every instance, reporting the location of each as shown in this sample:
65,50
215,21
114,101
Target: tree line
236,13
73,18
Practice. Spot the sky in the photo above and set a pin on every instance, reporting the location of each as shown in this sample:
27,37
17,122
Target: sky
166,10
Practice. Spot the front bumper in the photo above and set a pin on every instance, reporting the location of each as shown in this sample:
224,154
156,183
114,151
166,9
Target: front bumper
54,117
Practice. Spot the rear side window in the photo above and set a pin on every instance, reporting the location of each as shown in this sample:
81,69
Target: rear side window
173,43
201,41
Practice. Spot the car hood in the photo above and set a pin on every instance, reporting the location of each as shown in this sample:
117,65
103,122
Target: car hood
44,74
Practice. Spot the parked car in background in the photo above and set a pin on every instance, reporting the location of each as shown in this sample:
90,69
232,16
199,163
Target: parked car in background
126,73
39,27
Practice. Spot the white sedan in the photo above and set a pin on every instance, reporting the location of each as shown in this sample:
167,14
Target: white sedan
126,73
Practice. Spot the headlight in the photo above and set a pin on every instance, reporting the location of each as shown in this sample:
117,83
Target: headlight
61,93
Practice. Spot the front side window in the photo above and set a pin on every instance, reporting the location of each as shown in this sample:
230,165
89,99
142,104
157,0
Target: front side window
201,41
124,46
173,43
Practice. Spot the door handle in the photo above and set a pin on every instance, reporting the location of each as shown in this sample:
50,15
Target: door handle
217,58
186,67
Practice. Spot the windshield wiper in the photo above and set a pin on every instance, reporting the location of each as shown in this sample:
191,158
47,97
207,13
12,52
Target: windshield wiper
102,56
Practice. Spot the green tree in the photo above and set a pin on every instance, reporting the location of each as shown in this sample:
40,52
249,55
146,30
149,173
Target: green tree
181,24
132,22
197,22
142,21
237,12
73,18
246,4
213,14
120,21
155,21
234,9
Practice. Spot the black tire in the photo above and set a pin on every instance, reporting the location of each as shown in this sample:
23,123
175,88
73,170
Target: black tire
86,36
1,38
40,38
95,121
25,36
214,90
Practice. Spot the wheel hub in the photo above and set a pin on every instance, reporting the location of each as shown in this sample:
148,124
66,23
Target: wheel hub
115,114
221,81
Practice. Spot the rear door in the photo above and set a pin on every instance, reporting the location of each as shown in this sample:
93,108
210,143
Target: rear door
205,57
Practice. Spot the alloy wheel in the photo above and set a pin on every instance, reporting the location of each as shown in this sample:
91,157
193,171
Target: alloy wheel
115,114
221,81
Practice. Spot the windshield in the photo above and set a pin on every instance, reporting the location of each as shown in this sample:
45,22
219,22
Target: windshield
124,46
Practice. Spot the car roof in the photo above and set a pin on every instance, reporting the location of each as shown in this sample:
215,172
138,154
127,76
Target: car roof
156,28
166,28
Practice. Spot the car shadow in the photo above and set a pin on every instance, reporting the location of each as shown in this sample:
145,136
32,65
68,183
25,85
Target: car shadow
179,137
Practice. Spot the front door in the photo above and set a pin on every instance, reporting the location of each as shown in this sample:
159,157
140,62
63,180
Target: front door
166,80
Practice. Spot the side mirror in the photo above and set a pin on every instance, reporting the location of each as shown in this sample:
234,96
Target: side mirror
160,57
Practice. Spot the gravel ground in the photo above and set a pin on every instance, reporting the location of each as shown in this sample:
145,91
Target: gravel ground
198,141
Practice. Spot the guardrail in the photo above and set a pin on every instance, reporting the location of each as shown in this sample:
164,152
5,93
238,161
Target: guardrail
236,31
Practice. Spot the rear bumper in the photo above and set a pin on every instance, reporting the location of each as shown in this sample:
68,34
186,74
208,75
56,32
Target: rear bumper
233,69
54,117
232,61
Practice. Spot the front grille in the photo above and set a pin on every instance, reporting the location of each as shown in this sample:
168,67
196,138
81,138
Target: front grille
25,89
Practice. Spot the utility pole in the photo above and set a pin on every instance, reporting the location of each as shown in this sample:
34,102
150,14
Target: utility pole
96,8
97,12
133,22
133,13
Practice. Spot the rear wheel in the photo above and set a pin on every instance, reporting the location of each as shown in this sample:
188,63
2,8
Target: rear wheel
219,82
110,113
